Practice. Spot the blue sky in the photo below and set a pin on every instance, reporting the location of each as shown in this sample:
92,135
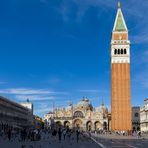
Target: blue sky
59,50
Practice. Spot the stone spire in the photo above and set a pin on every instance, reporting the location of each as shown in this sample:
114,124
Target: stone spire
119,25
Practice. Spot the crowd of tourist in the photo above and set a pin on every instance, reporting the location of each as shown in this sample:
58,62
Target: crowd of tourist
20,135
66,133
59,134
135,133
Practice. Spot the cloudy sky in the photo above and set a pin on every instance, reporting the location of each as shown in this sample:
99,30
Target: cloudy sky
57,51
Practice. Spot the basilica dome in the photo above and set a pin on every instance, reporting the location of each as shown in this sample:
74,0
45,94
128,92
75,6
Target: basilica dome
85,104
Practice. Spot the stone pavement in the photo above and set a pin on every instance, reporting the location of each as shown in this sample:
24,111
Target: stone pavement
114,136
123,143
112,141
51,143
99,141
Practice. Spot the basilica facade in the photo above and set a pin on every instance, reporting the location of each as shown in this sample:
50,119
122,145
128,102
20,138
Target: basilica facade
83,116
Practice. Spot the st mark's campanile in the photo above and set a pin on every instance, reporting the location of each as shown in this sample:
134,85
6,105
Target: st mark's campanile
120,75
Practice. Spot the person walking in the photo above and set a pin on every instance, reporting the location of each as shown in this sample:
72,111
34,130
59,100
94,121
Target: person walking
69,134
54,133
60,134
9,134
64,133
77,135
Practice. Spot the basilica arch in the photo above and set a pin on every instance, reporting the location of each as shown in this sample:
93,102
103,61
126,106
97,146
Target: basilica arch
78,123
88,125
66,124
58,124
97,125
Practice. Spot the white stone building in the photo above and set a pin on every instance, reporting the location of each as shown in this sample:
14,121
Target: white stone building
28,105
49,119
144,116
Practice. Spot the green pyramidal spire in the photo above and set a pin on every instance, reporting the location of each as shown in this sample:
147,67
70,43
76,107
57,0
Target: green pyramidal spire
120,24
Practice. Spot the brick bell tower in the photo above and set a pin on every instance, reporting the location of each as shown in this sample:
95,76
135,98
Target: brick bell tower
121,118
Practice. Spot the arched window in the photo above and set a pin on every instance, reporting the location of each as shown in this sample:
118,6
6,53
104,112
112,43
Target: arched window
115,51
125,51
118,51
121,51
78,114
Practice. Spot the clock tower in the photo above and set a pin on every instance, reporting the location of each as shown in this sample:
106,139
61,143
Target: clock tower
120,75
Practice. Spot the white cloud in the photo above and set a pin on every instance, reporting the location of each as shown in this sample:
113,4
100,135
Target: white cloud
43,108
91,90
26,91
82,7
132,7
34,97
133,10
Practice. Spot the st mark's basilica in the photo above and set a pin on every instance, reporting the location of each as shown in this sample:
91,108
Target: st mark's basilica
83,116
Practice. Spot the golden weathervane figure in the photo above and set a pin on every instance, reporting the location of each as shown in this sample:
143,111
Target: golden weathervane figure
119,4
